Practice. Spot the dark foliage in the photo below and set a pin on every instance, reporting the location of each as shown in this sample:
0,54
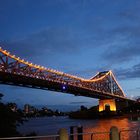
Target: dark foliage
8,121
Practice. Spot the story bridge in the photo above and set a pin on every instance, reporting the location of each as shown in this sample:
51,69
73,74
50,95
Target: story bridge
17,71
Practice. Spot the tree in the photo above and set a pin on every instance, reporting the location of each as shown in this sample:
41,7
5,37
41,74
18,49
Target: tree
1,95
83,108
8,121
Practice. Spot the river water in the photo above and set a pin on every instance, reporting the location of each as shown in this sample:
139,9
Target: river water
51,125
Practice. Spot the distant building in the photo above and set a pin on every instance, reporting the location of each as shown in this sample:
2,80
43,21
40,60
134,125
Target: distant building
13,106
138,99
26,108
29,109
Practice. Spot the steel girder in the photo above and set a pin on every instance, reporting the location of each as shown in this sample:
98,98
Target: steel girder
103,82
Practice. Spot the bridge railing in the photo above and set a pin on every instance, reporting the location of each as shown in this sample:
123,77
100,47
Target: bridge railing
49,137
129,134
113,134
75,136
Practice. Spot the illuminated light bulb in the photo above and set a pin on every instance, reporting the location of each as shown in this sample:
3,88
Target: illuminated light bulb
8,53
27,63
63,87
22,61
62,73
39,66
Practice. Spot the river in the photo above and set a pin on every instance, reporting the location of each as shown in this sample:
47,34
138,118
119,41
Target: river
51,125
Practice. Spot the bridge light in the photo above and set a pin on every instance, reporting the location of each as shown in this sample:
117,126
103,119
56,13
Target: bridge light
18,58
22,60
31,64
8,53
37,66
64,87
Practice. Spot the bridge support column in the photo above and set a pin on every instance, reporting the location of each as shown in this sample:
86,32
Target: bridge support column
107,102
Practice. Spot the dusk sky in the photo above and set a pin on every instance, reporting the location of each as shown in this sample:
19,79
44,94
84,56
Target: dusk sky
79,37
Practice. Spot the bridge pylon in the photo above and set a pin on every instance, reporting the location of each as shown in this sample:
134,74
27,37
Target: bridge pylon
107,102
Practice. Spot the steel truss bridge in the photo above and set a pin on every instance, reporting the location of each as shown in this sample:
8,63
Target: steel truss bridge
16,71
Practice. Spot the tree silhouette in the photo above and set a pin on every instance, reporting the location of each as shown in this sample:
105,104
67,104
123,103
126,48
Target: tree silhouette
8,120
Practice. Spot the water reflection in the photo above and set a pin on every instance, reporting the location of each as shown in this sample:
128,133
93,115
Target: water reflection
47,126
121,124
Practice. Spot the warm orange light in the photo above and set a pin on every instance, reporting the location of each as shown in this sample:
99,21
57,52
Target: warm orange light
93,79
110,102
118,84
50,70
97,79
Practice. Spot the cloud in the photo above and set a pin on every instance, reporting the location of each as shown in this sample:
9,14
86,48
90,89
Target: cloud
49,41
123,54
126,37
129,73
126,46
130,14
79,102
95,31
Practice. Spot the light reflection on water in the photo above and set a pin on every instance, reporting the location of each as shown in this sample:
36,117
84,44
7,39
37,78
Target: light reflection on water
105,125
51,125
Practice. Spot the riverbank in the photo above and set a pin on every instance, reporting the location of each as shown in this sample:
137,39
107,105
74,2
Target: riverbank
132,111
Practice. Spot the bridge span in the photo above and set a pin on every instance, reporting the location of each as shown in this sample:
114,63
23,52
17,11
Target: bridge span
18,72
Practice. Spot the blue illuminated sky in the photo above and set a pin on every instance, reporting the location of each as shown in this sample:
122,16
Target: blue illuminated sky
80,37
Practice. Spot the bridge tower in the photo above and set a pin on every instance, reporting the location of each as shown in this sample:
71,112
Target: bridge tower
109,85
107,102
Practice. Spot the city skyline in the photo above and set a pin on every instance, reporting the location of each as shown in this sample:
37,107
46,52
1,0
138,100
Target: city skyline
76,37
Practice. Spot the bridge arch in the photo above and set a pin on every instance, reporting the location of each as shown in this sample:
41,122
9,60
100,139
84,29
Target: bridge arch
107,107
107,102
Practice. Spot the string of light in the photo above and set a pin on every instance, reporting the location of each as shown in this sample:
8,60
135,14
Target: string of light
93,79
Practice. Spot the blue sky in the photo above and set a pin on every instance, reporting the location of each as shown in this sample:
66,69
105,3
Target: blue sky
78,37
